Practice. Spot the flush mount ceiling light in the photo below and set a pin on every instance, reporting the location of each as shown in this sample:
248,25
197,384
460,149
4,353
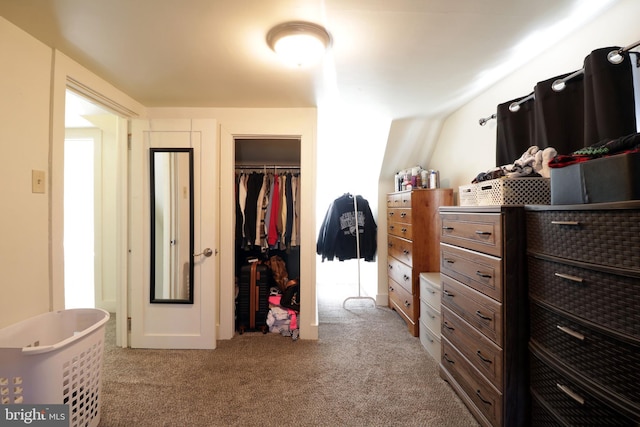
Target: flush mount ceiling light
299,43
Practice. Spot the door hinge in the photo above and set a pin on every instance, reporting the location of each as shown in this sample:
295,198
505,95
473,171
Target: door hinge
129,141
128,324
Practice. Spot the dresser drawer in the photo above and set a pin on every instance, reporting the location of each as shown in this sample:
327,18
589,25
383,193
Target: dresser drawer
571,401
482,312
479,232
482,272
400,229
401,274
430,341
602,237
485,397
399,215
612,364
611,300
404,302
480,351
399,200
431,289
400,249
430,317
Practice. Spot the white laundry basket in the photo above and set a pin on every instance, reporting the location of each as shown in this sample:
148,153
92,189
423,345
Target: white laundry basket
55,358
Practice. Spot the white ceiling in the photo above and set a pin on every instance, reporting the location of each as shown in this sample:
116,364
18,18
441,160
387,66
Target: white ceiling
404,58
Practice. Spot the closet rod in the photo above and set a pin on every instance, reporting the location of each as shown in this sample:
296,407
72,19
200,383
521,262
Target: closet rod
266,167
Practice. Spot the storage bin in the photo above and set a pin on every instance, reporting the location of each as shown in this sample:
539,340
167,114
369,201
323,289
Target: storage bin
514,191
608,179
467,195
55,358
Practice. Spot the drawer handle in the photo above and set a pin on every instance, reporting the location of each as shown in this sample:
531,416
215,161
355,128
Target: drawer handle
446,357
390,245
483,275
431,315
569,277
390,267
447,228
407,304
483,233
484,359
448,294
572,394
403,229
391,227
449,260
405,201
482,316
392,213
571,223
486,402
406,278
391,288
446,325
571,332
403,214
406,252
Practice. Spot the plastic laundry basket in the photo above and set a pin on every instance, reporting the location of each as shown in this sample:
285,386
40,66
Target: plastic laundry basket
55,358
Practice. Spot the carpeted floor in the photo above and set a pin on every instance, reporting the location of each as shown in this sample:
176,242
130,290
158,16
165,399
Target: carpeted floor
365,370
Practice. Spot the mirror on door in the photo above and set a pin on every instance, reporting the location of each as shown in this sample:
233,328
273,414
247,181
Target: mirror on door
171,225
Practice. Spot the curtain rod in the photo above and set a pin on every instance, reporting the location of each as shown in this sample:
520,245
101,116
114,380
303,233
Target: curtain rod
614,57
266,167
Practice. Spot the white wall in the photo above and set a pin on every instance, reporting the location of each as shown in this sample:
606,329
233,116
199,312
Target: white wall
25,75
32,137
464,148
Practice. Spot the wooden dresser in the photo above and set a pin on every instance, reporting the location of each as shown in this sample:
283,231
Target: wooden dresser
413,235
484,311
584,284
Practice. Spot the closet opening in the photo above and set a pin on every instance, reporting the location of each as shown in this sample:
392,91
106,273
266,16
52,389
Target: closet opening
267,227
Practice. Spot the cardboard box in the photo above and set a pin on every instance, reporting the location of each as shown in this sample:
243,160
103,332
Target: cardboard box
606,179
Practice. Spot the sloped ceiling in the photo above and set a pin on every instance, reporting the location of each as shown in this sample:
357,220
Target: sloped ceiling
405,58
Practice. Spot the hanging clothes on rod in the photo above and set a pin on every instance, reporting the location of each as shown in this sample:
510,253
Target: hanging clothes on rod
267,207
347,233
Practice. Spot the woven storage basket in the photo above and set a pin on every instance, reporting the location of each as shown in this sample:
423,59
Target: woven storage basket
514,191
467,195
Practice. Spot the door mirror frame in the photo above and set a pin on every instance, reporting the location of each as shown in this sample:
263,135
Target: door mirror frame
167,181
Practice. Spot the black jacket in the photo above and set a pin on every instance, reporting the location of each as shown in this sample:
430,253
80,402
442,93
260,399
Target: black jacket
337,236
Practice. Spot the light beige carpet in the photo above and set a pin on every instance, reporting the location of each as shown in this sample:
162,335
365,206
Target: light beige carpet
365,370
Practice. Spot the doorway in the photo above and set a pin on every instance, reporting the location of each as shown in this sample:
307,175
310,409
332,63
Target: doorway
89,202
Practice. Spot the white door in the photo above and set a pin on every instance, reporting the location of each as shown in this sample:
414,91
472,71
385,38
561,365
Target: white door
170,325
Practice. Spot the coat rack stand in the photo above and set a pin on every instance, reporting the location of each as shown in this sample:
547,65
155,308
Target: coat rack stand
355,207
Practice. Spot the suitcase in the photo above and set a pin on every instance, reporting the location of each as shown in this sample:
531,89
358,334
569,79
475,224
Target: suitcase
252,303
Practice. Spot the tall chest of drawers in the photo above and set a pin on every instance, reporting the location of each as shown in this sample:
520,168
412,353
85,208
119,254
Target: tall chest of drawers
484,311
413,235
584,285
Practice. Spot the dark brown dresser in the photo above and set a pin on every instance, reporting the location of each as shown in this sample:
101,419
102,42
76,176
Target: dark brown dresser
413,238
484,312
584,289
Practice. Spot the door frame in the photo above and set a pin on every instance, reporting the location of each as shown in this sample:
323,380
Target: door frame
257,124
67,74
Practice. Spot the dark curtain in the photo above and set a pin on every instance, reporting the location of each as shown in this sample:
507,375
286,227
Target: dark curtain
515,131
610,107
596,105
559,115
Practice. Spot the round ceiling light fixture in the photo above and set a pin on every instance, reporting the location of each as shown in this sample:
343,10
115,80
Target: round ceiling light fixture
299,43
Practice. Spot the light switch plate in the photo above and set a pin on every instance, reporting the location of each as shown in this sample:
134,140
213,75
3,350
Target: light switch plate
37,181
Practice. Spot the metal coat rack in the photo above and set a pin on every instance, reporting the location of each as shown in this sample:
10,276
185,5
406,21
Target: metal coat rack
355,207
